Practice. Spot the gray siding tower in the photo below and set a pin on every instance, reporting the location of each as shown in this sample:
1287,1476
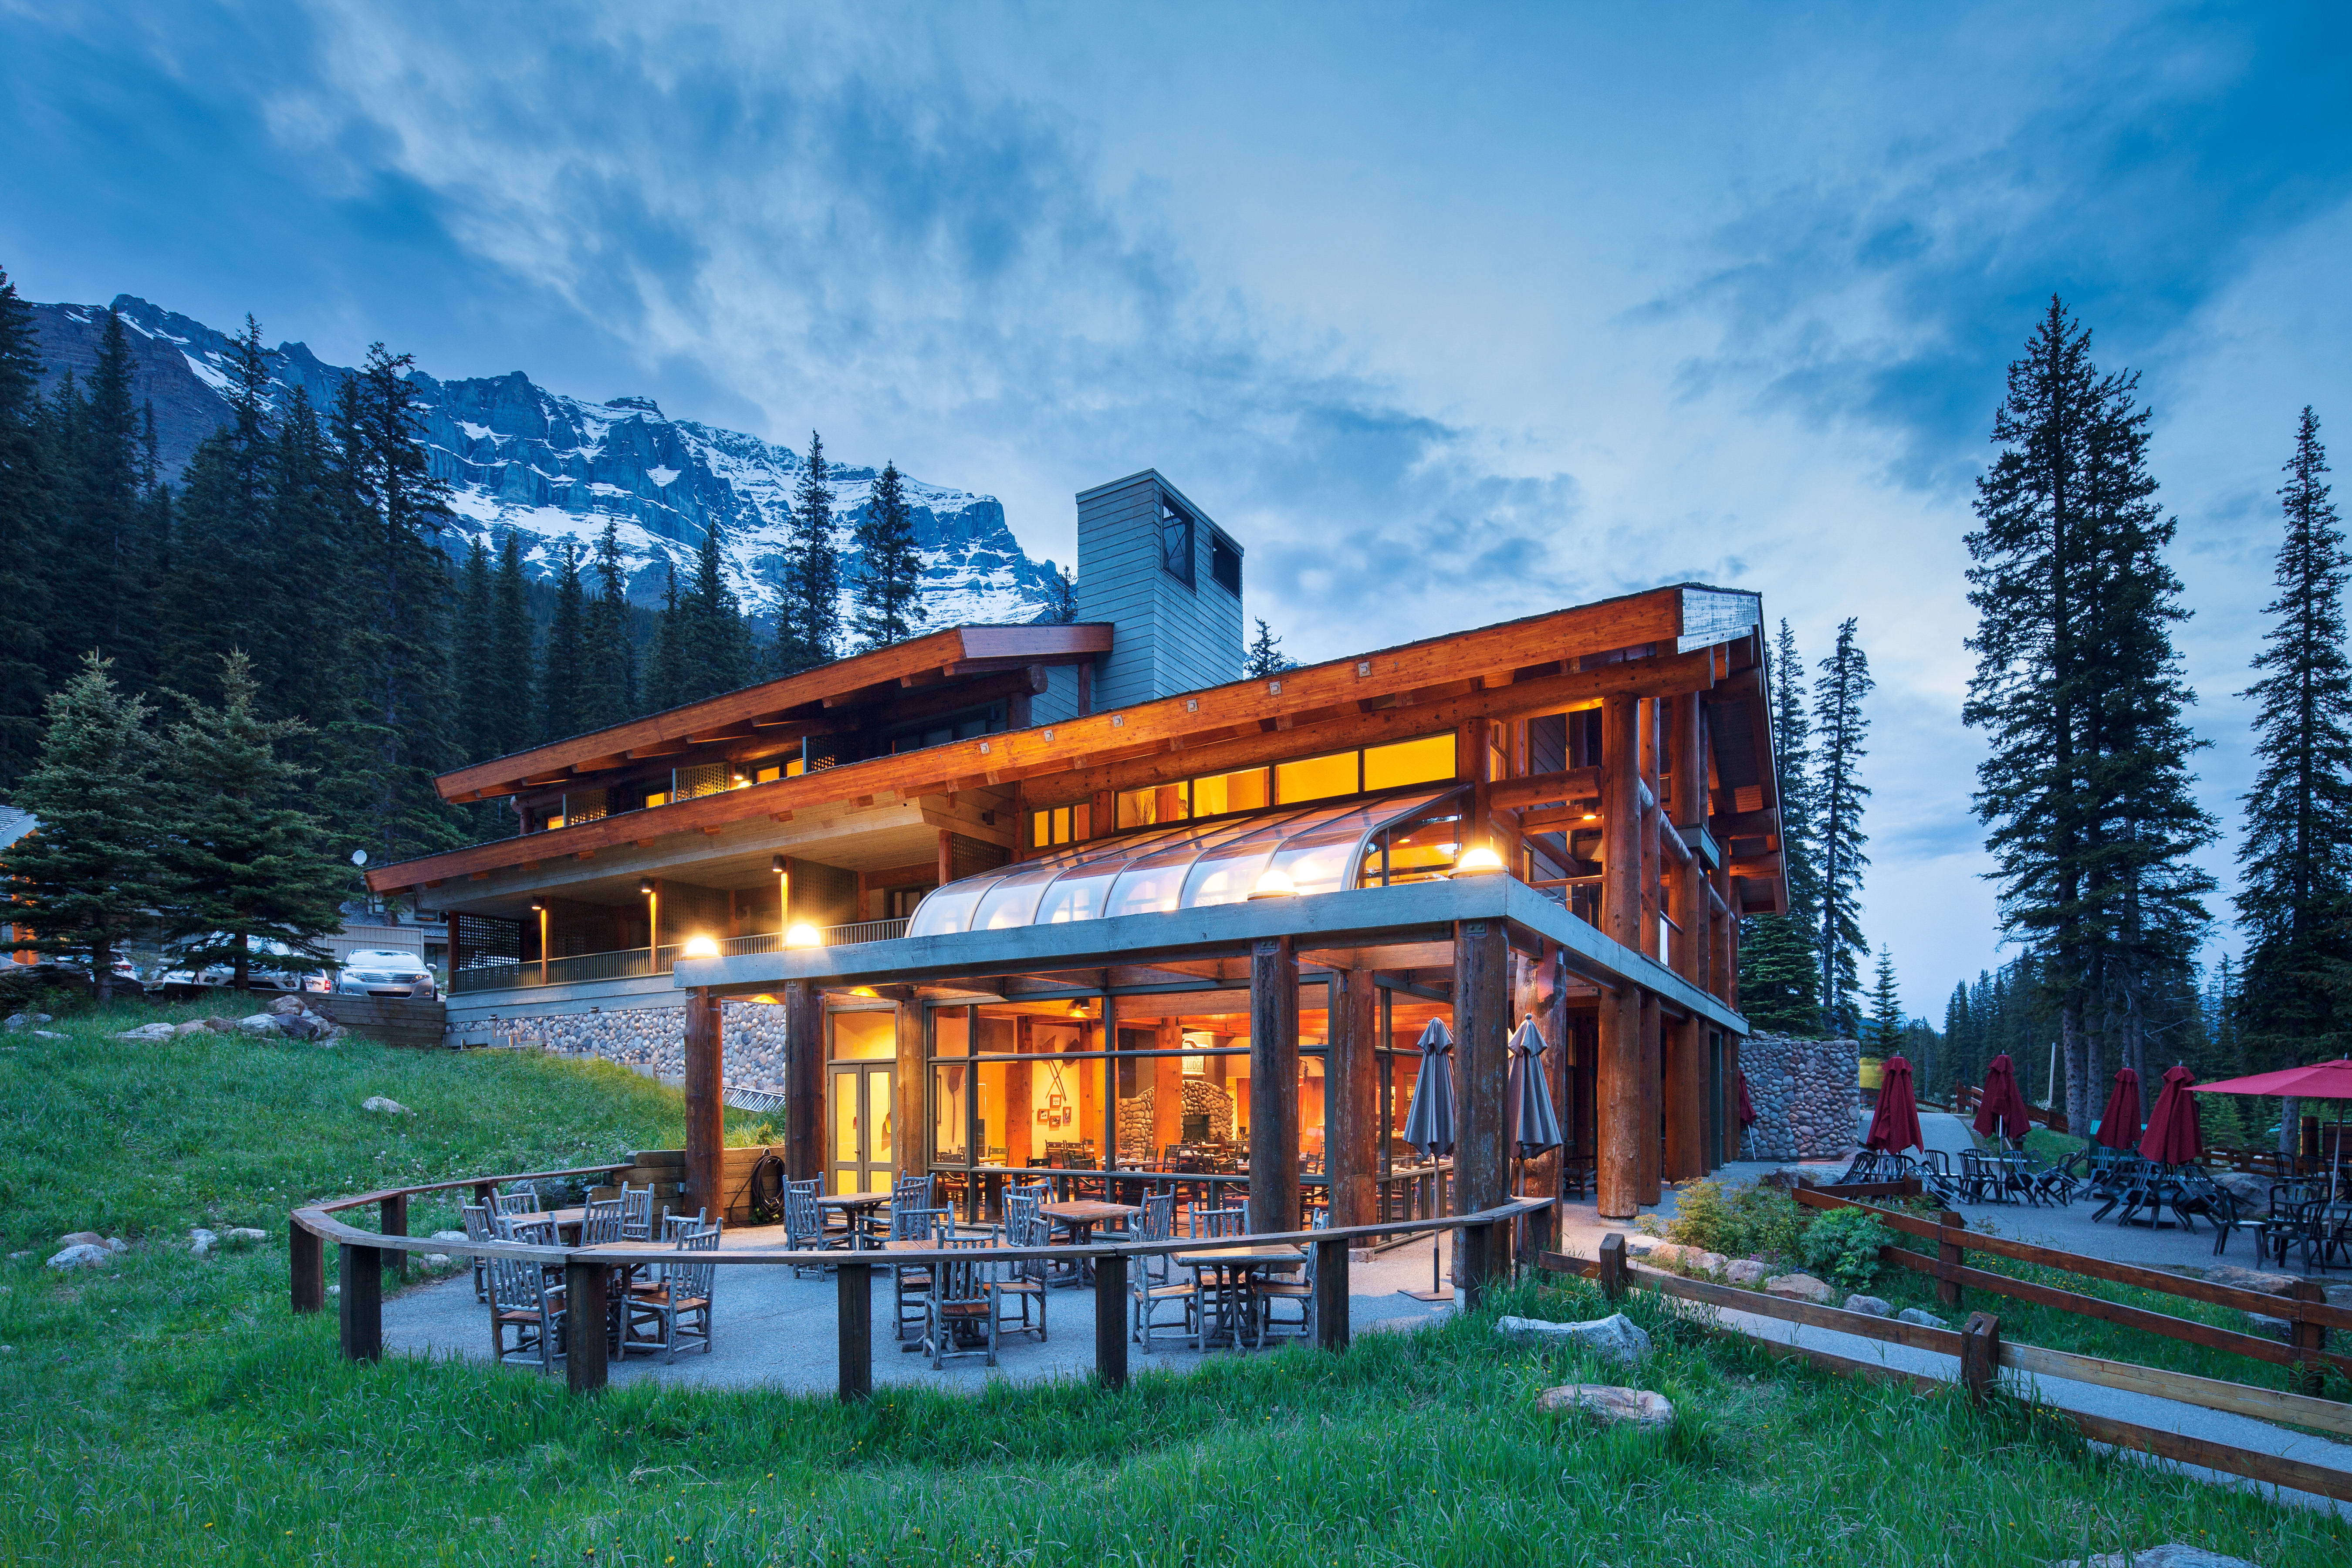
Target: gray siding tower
1152,564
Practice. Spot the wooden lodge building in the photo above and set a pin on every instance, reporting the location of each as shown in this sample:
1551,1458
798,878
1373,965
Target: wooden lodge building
1083,898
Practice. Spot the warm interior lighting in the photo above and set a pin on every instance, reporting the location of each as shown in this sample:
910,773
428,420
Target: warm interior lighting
1272,885
866,991
1591,817
646,885
1478,861
804,934
1078,1008
536,909
701,947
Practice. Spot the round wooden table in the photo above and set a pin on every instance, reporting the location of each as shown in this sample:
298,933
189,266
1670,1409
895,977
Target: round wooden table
1082,1215
1233,1265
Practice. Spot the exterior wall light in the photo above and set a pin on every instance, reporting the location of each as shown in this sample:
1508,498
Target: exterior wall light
1478,861
701,947
1272,885
804,934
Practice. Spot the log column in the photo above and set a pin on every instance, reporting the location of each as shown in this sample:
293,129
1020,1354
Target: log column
1167,1088
911,1139
1351,1098
1653,1100
1274,1086
1482,1031
803,1081
1618,1114
705,1107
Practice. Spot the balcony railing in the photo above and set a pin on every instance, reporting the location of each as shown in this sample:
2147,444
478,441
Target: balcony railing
632,961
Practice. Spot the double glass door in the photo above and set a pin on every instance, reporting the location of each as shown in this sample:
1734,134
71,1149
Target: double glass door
862,1103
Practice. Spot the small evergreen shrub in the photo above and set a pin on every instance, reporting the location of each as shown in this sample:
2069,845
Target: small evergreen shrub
1843,1245
1737,1221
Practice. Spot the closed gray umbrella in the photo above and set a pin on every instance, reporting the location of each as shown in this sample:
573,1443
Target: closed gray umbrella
1534,1128
1429,1123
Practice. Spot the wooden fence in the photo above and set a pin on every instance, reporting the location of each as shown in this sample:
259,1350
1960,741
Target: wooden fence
395,1020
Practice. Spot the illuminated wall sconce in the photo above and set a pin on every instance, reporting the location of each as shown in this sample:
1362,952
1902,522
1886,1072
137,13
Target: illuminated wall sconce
701,947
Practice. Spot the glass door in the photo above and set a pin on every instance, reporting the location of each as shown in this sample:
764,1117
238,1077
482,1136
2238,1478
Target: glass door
862,1138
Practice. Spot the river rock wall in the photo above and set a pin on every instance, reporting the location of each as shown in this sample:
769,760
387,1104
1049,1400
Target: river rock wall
653,1039
1805,1093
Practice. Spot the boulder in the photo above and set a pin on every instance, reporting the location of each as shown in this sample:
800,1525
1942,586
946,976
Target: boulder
446,1236
2238,1279
1872,1305
146,1032
1748,1271
1616,1336
2251,1191
1643,1245
257,1024
18,1022
2172,1555
81,1238
287,1007
300,1026
1801,1288
244,1234
202,1241
83,1256
436,1260
1921,1316
1636,1406
384,1106
220,1025
1711,1263
47,1034
193,1027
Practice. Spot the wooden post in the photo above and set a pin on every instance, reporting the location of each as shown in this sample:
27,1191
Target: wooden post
911,1139
1351,1098
1950,1255
946,855
1613,1265
1274,1085
1110,1320
1980,1354
1618,1121
1481,1261
451,917
803,1080
585,1348
1331,1293
1167,1088
706,1105
391,1220
362,1302
855,1312
1482,1034
1733,1132
308,1258
2308,1339
1653,1100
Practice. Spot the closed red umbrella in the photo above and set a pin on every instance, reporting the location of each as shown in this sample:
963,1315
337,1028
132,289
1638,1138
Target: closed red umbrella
2000,1108
1746,1106
2172,1135
2119,1122
1896,1126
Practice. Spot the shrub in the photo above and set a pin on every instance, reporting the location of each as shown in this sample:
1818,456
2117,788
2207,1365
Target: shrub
1843,1245
1737,1221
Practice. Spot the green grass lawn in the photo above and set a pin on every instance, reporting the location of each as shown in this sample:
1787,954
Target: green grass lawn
170,1410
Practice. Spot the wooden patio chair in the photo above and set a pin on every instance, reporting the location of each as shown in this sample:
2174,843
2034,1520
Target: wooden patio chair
601,1223
678,1311
805,1227
524,1304
1273,1290
962,1298
520,1198
913,1280
478,1228
637,1212
1150,1285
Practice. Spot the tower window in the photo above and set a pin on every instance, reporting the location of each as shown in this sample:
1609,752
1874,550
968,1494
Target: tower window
1176,541
1226,564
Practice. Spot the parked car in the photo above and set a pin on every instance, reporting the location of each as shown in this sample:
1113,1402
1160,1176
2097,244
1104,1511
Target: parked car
381,971
260,973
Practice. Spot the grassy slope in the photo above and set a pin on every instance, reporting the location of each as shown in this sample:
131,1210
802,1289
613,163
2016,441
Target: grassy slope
170,1410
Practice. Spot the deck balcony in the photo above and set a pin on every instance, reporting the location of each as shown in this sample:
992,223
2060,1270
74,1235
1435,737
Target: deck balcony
634,962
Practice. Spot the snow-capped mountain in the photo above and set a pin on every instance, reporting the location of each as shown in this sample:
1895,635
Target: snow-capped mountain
551,467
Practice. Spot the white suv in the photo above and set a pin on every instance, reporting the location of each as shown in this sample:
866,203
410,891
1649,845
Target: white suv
380,972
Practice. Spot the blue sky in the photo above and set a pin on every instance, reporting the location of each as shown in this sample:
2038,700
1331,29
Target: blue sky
1450,313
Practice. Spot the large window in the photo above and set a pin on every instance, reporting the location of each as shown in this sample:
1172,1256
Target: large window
1429,759
1176,541
1226,564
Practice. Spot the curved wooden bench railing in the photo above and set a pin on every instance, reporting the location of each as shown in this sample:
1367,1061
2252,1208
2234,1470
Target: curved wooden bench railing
365,1254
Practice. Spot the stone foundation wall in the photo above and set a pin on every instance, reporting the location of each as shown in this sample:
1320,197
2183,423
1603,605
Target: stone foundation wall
1805,1093
655,1038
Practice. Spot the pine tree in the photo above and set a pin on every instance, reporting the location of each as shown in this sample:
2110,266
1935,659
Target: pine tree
1062,605
1265,655
609,693
220,550
1838,796
714,644
302,648
513,717
26,536
473,655
889,594
2296,889
1779,963
1959,1041
1886,1021
663,681
84,879
101,569
243,868
812,610
559,679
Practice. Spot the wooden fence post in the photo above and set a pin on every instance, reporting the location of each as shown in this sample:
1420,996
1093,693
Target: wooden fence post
392,1220
1331,1293
1952,1254
583,1317
308,1258
1980,1354
361,1303
2307,1338
1613,1265
856,1313
1110,1320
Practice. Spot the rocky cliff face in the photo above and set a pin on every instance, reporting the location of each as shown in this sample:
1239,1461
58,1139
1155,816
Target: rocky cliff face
553,467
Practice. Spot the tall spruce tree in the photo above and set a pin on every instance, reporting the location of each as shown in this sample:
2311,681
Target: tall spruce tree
473,655
559,673
1838,796
890,590
101,567
2294,894
1886,1021
301,649
84,880
221,548
514,715
1062,602
1780,963
810,632
1265,656
667,675
714,644
608,693
244,869
1959,1042
25,540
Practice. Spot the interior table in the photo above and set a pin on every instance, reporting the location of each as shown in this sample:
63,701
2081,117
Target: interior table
1221,1279
1082,1215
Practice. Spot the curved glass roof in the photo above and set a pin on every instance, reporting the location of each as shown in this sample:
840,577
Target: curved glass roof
1321,849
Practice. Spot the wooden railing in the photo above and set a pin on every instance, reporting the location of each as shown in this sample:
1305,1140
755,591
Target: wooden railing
628,962
366,1255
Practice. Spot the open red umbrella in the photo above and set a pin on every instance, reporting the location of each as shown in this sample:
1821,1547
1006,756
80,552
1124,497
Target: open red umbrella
1896,1126
2000,1108
2172,1135
2119,1122
2320,1080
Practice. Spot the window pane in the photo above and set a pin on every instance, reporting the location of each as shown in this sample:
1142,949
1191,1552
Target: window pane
1221,792
950,1032
1153,804
865,1037
1429,759
950,1107
1315,778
